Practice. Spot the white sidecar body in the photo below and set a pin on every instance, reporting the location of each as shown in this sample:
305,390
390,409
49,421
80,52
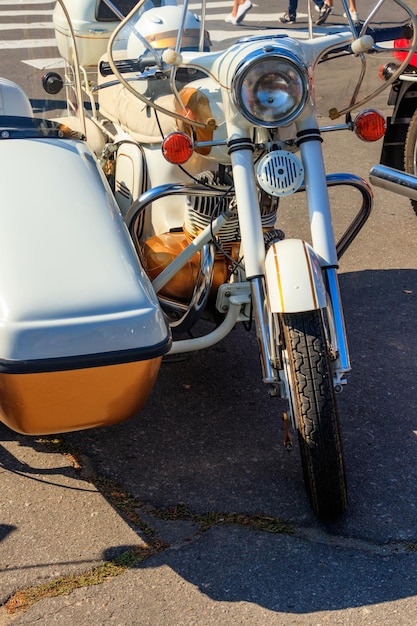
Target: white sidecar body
81,331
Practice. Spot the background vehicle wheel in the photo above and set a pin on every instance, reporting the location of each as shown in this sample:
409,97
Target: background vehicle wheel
410,152
314,405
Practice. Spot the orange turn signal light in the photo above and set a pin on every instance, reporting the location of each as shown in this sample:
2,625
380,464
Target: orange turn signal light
370,125
177,148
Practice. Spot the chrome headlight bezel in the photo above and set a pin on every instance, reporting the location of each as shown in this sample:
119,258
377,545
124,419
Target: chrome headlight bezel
253,69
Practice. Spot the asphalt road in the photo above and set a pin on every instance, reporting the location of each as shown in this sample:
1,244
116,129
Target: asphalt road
210,441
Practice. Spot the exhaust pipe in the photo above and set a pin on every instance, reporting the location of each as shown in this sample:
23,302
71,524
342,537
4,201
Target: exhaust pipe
394,180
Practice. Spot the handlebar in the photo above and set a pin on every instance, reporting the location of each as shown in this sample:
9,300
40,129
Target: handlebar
147,60
124,66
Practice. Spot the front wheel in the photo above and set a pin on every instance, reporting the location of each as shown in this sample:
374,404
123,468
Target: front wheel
410,152
314,405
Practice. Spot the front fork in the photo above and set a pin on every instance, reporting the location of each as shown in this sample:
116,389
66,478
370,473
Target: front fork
322,234
254,248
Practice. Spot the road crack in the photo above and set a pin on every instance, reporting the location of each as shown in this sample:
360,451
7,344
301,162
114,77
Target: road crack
145,520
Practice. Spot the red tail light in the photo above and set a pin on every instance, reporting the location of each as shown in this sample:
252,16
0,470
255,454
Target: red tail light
177,148
369,125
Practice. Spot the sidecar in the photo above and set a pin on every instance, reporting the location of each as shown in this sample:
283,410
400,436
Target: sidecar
81,331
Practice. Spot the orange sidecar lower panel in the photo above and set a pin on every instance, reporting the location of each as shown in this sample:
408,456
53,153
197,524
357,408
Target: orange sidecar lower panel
56,402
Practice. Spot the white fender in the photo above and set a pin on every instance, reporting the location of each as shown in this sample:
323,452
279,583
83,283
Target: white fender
293,277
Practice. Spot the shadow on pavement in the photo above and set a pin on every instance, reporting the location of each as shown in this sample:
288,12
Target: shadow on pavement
210,437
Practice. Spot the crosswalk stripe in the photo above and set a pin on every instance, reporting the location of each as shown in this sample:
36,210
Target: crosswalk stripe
250,17
253,17
28,43
217,4
218,36
25,12
11,3
45,64
25,26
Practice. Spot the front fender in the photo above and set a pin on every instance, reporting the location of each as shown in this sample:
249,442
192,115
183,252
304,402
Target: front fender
293,277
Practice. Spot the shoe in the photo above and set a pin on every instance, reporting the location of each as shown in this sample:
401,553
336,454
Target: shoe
230,19
353,15
324,14
287,19
242,10
319,9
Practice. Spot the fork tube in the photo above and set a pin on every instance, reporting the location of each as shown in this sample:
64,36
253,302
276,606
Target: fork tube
340,329
317,197
252,243
322,230
262,331
248,208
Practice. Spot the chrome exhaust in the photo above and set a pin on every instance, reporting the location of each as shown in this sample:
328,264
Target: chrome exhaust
394,180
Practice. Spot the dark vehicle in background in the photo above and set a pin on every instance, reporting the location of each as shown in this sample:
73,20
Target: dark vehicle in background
400,142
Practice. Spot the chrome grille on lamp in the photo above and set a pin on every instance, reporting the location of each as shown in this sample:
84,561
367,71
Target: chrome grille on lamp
201,210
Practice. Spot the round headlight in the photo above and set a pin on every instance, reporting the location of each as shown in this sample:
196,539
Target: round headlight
270,89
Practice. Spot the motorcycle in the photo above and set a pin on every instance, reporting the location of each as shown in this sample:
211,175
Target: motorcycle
166,161
400,141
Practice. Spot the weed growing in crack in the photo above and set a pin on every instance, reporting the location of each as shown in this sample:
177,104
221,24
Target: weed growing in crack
128,507
22,600
263,523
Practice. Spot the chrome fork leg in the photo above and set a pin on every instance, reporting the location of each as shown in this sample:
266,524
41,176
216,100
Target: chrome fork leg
262,328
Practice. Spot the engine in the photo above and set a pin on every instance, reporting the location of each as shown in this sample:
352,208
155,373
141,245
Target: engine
200,211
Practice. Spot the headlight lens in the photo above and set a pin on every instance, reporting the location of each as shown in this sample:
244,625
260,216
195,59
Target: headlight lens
270,89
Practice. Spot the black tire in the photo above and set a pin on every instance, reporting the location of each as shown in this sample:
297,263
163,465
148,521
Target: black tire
410,152
314,405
